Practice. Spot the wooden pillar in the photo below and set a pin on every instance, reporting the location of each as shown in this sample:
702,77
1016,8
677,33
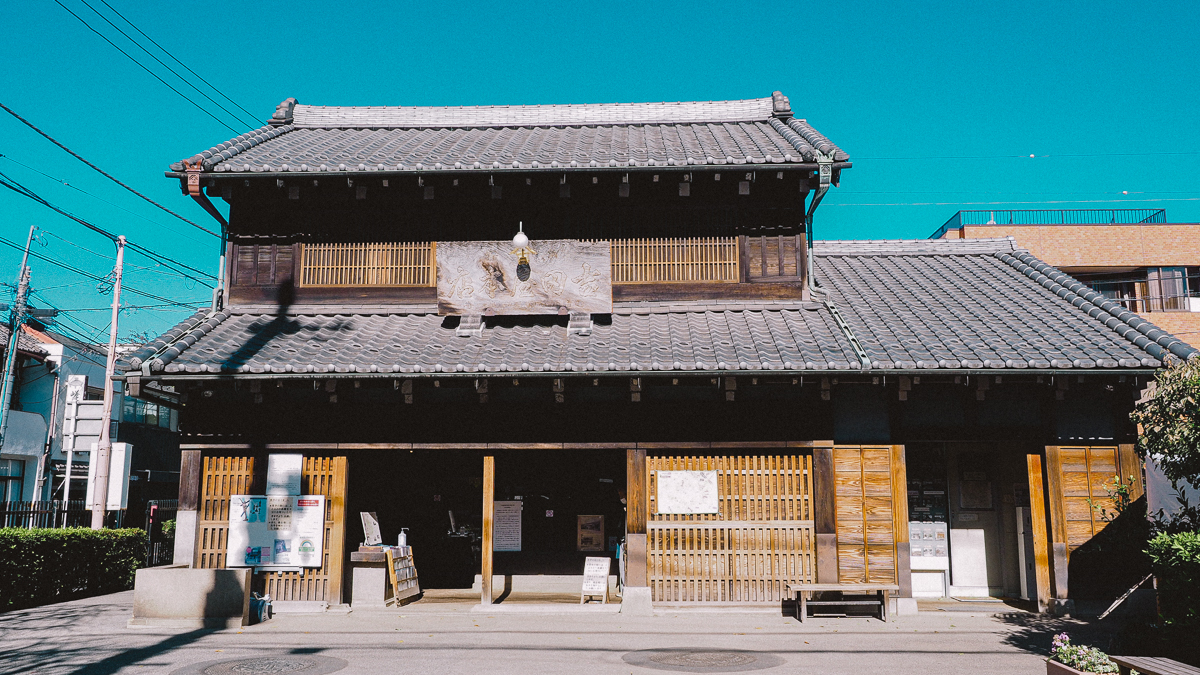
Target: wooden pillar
1059,554
636,498
187,517
900,521
337,533
825,515
1037,514
489,508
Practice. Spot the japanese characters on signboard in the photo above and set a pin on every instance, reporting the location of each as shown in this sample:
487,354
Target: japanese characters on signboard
277,531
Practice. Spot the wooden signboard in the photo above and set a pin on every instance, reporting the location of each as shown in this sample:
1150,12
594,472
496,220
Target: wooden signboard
595,579
565,275
402,574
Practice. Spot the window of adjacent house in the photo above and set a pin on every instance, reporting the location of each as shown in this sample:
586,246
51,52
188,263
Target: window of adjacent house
144,412
1167,288
1154,289
12,473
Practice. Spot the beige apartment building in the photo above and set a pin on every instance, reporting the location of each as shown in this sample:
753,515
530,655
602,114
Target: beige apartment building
1133,256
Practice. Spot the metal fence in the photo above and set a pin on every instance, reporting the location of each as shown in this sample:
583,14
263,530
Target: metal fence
161,541
1052,217
46,514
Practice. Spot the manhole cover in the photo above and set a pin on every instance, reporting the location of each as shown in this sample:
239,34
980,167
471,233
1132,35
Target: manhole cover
267,665
702,660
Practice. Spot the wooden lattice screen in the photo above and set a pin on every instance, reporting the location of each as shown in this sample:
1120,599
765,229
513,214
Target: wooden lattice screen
698,259
226,476
864,496
373,264
760,540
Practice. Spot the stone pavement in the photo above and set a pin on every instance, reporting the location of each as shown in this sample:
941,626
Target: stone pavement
449,634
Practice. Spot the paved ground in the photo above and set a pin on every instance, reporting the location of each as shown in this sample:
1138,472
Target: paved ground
448,636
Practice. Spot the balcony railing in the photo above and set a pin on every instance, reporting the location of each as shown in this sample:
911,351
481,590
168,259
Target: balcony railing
634,261
1052,217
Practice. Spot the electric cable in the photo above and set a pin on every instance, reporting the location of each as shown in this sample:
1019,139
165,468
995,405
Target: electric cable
102,172
159,61
143,67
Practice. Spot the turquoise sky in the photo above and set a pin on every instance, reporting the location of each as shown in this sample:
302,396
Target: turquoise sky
940,104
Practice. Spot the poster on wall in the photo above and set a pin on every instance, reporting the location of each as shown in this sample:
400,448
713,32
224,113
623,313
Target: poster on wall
687,492
590,533
506,526
272,531
283,474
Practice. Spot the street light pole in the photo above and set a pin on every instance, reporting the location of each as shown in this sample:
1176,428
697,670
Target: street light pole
103,456
18,319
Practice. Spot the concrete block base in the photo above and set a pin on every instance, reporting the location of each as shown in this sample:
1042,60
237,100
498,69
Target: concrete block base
299,606
177,596
906,606
635,601
185,538
540,583
370,585
1059,607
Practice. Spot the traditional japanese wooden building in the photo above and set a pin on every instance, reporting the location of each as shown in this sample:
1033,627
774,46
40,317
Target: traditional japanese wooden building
931,413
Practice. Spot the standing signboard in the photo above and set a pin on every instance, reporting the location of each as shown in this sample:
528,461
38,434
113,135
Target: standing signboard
595,578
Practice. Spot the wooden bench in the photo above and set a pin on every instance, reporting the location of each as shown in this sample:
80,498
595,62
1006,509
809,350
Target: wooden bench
802,593
1152,665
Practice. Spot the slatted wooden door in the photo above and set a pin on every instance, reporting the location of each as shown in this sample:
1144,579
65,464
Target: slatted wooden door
760,540
1081,480
226,476
866,513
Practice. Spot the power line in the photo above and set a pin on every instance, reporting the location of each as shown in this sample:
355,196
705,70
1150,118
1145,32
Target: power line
143,67
12,184
98,198
72,153
1003,203
160,47
95,277
172,71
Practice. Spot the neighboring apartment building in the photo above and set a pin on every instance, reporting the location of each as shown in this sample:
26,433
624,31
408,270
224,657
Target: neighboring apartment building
1132,256
56,408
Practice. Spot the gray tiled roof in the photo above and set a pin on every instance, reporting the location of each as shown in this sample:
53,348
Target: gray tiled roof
796,339
25,342
911,305
498,138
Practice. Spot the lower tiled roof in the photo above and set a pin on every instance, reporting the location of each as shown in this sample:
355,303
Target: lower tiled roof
909,305
795,339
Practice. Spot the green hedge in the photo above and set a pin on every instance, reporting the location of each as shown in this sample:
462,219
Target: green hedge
43,566
1176,562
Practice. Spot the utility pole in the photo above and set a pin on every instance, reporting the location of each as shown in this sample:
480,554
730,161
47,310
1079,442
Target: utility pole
103,456
18,319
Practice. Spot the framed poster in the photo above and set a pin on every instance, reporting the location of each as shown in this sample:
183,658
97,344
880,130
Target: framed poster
590,533
276,531
506,526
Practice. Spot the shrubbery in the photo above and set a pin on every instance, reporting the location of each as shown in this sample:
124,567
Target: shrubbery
1176,561
42,566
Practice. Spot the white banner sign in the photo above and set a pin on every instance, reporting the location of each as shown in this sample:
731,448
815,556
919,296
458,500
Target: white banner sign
275,531
687,492
595,575
283,474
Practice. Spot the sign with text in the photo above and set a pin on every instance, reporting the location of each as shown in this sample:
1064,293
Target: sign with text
595,575
283,474
506,526
275,531
687,492
370,523
563,276
590,533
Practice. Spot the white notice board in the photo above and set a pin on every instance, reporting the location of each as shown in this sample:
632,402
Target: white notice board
275,531
687,492
283,474
506,526
595,575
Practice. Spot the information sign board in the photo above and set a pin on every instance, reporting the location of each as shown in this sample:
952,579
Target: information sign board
595,576
283,474
276,531
506,526
687,492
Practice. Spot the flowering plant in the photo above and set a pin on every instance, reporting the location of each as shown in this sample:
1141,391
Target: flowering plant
1087,659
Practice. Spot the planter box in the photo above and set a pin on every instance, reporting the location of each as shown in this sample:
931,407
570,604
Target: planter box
1056,668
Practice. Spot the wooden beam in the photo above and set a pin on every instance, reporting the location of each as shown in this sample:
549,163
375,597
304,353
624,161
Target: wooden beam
825,515
489,508
636,502
900,521
189,480
337,533
1059,553
1037,514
